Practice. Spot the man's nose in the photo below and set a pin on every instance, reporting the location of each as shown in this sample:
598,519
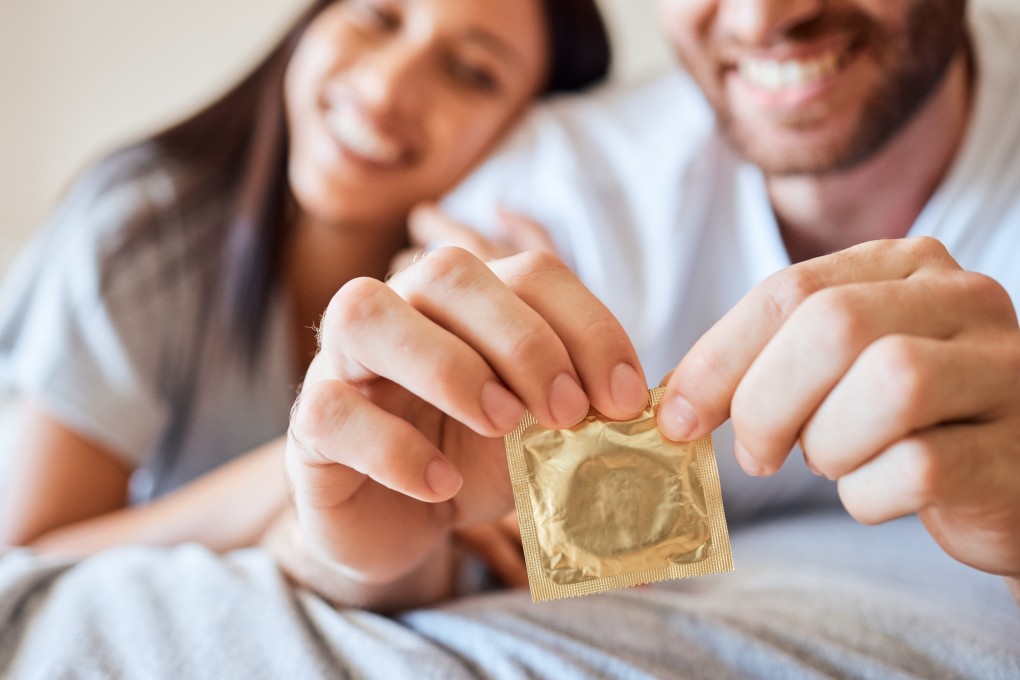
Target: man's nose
758,22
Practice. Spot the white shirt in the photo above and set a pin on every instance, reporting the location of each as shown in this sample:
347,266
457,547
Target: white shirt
669,227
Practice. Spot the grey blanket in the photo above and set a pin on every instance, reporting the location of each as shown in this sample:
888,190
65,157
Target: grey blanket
813,597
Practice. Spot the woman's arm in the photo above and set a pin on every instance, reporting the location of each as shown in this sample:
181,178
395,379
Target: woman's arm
68,496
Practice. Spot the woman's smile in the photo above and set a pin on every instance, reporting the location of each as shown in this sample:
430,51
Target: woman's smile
363,141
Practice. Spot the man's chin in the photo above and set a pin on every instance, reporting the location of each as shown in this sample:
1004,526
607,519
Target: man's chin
789,152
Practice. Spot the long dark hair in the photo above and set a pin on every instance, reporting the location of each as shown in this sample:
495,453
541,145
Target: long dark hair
233,153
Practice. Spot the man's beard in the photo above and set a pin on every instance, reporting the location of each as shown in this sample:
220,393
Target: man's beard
916,63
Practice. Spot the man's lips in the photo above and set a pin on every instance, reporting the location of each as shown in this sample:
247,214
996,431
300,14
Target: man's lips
776,75
789,78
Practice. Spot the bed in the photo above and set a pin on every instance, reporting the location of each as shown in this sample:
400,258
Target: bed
814,595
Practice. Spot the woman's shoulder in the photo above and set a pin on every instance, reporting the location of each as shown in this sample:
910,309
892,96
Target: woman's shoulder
127,186
121,223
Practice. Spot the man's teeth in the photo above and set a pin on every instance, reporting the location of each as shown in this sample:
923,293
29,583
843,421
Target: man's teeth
789,74
356,134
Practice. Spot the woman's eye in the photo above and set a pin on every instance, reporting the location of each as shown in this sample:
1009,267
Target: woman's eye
377,15
473,76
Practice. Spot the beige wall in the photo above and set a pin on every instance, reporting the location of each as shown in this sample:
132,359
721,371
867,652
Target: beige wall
78,77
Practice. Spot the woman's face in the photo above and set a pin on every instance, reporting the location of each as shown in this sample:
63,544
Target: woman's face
390,102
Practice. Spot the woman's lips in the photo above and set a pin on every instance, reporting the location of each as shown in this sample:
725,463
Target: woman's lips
362,139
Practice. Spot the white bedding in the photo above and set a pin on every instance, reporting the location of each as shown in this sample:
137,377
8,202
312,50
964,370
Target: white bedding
813,596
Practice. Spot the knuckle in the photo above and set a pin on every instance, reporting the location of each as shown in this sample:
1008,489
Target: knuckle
928,249
451,266
448,374
836,318
357,301
985,290
536,264
901,373
787,290
598,324
322,410
528,340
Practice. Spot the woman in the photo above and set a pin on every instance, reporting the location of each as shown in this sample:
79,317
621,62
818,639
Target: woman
156,331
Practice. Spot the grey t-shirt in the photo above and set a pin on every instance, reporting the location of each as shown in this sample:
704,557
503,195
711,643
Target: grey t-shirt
127,343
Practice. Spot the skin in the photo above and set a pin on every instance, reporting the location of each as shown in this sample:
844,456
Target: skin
896,370
438,80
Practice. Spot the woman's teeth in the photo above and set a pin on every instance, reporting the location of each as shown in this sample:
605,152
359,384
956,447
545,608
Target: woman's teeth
355,133
789,74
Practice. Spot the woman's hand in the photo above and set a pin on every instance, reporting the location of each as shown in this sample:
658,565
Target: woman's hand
898,373
395,440
498,544
430,228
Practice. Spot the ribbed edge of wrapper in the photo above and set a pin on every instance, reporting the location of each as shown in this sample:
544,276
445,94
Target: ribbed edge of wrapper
720,555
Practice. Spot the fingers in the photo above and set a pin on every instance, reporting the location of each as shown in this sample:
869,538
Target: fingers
459,293
405,258
699,394
430,227
810,354
369,331
499,549
903,384
541,331
333,423
461,334
936,466
523,233
596,342
462,330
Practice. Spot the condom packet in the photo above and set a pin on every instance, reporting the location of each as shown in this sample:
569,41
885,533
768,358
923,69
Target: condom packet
609,504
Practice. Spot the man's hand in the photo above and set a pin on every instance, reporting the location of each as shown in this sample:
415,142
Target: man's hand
395,440
898,373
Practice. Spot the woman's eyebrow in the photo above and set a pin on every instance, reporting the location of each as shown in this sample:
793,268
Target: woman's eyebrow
495,44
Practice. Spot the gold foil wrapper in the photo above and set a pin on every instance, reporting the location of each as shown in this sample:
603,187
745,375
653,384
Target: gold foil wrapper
610,504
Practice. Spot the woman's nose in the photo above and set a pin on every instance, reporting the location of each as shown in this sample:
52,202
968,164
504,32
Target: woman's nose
758,22
391,78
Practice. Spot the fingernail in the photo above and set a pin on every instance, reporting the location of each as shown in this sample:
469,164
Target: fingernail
626,388
677,418
567,401
502,408
442,478
746,461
